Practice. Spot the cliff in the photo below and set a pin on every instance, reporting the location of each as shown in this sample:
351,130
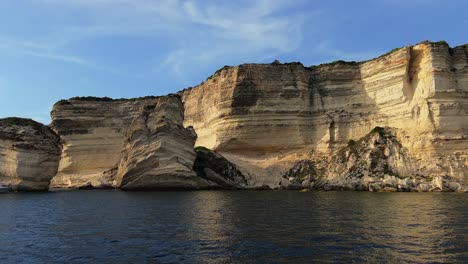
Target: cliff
131,144
93,132
158,151
29,154
376,162
266,117
263,123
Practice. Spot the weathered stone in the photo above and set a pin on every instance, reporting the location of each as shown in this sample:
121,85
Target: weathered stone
266,117
389,189
306,183
455,186
424,187
29,154
376,187
158,151
438,183
93,132
390,181
366,180
214,167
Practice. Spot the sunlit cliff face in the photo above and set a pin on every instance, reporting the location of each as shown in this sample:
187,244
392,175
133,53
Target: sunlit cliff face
276,113
266,117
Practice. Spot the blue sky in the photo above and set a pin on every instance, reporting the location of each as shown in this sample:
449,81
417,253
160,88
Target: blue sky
55,49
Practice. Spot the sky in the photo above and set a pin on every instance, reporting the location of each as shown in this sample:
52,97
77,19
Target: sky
57,49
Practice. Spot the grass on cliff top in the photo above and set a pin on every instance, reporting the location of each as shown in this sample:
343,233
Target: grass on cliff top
16,121
107,99
442,42
337,62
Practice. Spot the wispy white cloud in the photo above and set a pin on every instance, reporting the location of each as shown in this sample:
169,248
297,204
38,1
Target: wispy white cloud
30,48
58,57
201,32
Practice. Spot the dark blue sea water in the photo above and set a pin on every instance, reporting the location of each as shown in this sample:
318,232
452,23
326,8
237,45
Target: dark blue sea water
233,227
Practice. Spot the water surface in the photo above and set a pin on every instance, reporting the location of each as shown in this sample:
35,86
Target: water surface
233,227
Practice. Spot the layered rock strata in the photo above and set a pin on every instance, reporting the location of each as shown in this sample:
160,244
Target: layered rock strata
266,117
158,151
376,162
93,132
134,144
29,154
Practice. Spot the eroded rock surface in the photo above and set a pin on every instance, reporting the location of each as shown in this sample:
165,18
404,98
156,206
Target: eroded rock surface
266,117
158,151
377,162
215,168
29,154
93,133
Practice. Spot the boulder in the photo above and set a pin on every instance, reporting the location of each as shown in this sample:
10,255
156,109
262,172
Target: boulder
455,186
306,183
424,187
438,183
215,168
376,187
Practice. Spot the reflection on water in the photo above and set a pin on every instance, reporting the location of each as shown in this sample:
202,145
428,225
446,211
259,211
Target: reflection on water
233,226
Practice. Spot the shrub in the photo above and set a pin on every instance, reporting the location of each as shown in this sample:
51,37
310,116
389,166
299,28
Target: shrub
351,143
201,148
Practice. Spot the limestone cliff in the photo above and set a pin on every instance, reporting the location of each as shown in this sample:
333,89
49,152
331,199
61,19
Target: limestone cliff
132,144
266,117
93,132
376,162
29,154
158,151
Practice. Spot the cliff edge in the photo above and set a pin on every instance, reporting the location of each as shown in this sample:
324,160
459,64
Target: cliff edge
259,124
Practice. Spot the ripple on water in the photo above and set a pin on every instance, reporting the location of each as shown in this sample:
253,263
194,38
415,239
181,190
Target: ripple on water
233,226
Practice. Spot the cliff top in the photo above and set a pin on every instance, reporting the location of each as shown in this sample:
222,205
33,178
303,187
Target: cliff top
16,121
12,128
274,63
108,99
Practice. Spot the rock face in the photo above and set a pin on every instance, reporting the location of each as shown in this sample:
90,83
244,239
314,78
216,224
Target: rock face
377,162
158,151
265,121
266,117
133,144
29,154
93,132
214,167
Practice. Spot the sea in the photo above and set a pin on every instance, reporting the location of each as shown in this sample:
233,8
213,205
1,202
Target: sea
110,226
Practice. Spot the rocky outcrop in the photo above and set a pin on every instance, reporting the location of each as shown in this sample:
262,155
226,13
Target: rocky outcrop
376,162
93,132
266,117
215,168
158,151
131,144
29,154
